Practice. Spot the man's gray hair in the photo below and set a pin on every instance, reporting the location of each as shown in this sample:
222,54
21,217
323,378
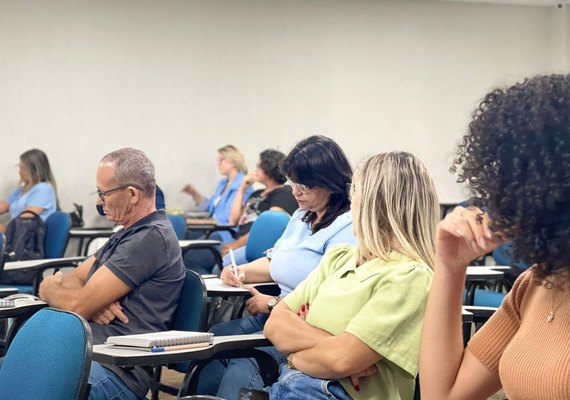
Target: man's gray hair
133,167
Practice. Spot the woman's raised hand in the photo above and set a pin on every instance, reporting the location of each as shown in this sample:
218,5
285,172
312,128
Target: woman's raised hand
249,179
189,189
462,236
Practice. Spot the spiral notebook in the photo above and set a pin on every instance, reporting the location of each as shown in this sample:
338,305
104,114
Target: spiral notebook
163,339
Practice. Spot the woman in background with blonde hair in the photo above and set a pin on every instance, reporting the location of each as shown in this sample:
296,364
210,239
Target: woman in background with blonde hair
37,191
231,164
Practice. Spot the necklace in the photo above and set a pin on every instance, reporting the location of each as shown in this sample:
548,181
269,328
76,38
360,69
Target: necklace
550,285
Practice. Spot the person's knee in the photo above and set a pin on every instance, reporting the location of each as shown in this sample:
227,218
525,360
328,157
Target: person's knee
224,329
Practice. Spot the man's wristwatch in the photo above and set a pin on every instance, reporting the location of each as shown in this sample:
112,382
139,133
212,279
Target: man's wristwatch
272,303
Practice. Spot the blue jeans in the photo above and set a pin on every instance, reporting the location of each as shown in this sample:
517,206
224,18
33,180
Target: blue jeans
225,377
105,385
293,384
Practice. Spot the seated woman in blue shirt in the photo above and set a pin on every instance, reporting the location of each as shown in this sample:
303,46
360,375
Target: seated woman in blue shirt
319,173
36,193
37,189
231,164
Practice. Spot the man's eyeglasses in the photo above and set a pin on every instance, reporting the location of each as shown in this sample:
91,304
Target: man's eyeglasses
116,189
349,191
300,187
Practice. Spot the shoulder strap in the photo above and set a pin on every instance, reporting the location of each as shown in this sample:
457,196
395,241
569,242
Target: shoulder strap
28,212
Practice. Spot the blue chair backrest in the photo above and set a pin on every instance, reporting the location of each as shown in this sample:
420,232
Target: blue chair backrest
503,255
58,225
178,222
50,358
264,232
488,298
191,311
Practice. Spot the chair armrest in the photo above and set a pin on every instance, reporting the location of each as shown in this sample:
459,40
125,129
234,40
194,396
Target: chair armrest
480,313
7,292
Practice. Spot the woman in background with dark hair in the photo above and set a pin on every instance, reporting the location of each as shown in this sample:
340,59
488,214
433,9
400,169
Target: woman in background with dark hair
275,196
319,173
37,191
516,160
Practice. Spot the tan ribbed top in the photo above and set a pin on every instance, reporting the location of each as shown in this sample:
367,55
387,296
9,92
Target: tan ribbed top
531,355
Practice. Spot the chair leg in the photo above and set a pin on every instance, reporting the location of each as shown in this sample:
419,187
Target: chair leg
155,385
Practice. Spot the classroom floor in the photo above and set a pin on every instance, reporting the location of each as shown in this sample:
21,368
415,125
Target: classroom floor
174,378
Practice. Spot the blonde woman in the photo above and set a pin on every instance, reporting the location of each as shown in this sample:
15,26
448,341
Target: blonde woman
37,191
352,328
232,166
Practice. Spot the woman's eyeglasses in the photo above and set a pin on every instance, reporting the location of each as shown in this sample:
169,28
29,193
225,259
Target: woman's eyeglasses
298,186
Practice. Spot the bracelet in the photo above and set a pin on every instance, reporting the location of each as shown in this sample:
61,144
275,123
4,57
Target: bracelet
290,364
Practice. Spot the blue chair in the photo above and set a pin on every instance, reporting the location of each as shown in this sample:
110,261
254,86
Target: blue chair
58,225
190,316
265,231
50,358
488,298
178,222
503,255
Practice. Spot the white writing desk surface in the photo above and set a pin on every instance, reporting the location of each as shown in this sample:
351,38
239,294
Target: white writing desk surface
216,287
91,233
40,263
110,354
483,273
23,305
188,244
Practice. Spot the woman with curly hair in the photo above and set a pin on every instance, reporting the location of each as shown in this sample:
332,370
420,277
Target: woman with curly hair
516,160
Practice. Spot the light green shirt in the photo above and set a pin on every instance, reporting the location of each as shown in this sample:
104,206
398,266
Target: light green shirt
382,303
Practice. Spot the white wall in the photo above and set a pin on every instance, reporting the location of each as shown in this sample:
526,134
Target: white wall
181,78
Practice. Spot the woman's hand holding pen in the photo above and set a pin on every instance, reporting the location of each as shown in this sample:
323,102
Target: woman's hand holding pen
229,278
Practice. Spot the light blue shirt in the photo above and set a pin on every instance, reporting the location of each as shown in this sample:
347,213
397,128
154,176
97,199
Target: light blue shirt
298,251
40,195
220,205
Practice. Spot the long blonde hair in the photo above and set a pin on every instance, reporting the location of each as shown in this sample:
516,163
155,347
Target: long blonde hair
234,156
36,165
397,201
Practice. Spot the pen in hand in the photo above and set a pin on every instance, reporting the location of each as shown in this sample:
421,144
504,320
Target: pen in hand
234,266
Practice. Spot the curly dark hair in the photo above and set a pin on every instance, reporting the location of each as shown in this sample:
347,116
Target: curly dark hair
516,160
270,162
319,162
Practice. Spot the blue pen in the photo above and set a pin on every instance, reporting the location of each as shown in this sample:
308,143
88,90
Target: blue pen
158,349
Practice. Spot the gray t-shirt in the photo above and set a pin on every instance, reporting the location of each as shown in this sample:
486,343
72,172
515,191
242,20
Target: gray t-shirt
147,258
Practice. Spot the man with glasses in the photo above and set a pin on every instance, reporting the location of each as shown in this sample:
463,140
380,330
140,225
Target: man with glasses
131,284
